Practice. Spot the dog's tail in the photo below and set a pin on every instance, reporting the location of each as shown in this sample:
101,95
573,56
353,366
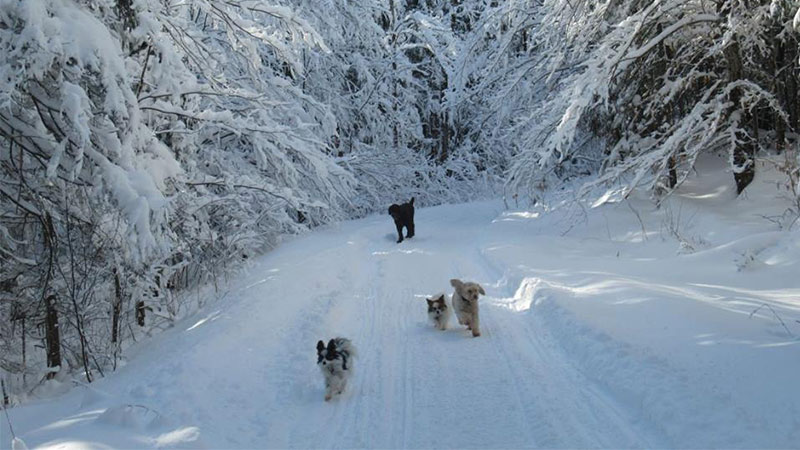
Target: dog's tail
344,345
411,202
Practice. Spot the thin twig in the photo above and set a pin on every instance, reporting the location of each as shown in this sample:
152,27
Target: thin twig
5,409
644,231
776,316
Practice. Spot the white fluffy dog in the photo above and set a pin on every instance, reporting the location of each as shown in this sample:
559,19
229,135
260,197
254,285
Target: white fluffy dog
465,304
336,363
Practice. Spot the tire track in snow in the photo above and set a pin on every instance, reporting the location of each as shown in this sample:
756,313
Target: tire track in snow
414,386
570,408
565,406
487,401
380,384
408,404
500,328
352,409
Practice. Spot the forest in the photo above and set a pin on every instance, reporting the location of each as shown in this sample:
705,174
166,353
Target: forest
150,148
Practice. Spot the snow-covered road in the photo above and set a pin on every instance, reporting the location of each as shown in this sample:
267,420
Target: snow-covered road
247,373
607,336
416,386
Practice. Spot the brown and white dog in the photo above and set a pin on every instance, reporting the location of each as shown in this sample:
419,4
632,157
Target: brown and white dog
465,304
438,311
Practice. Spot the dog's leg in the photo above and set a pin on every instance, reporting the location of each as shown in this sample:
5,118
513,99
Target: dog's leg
328,393
410,230
399,232
476,325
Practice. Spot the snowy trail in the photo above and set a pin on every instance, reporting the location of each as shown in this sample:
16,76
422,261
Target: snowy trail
245,374
587,342
418,387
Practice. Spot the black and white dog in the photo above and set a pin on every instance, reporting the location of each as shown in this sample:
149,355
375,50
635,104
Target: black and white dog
403,216
336,363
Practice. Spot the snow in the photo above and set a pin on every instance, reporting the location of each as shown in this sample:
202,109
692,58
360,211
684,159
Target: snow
796,20
679,331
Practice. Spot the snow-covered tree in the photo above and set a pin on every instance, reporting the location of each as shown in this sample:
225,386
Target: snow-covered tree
148,147
654,84
144,146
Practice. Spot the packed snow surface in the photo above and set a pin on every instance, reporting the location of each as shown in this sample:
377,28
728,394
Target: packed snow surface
621,325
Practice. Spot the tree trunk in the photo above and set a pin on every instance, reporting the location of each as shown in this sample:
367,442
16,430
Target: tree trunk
140,309
444,137
52,339
778,86
6,400
395,101
116,308
24,353
673,173
744,151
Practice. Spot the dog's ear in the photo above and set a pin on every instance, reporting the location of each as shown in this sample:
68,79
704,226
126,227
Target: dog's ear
480,289
411,202
429,300
331,345
320,346
456,283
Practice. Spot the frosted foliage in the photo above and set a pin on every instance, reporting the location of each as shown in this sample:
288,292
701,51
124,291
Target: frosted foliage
69,85
149,148
628,94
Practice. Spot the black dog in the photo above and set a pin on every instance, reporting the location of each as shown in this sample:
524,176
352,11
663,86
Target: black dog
403,216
